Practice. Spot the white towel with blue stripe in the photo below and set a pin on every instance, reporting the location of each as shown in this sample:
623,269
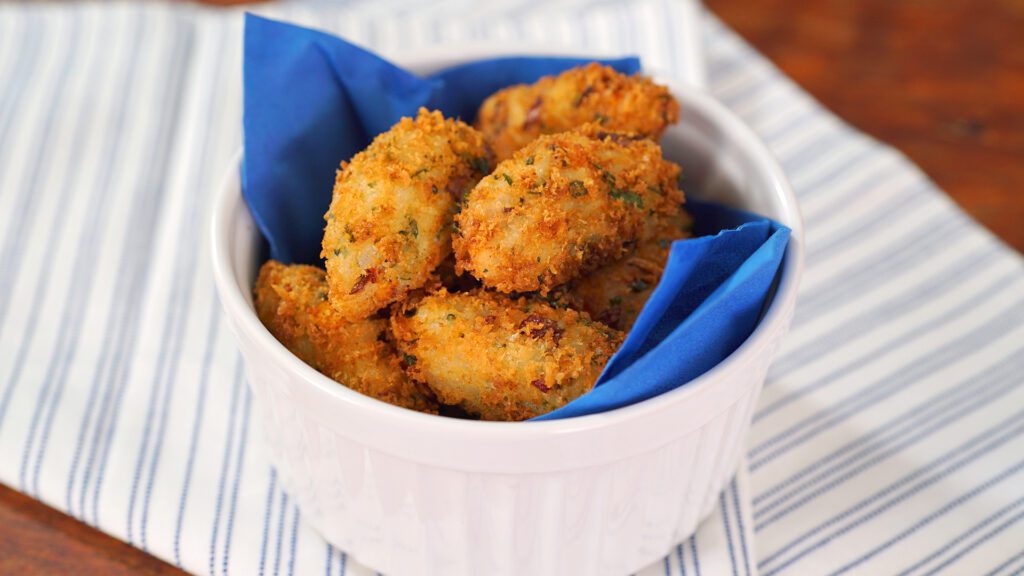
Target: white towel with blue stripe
890,437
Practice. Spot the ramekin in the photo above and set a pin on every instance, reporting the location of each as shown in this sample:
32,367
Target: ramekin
409,493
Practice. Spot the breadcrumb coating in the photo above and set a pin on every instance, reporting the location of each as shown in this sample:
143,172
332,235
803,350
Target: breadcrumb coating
616,293
291,301
562,206
515,116
389,223
500,358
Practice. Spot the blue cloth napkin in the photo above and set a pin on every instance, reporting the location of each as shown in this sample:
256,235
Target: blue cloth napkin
312,100
708,301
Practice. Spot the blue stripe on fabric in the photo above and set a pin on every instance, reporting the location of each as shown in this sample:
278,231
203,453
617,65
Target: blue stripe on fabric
1001,437
183,303
295,534
329,560
693,552
1009,562
225,462
928,519
239,467
680,556
283,507
42,280
24,74
136,40
872,355
760,105
268,510
946,547
23,219
837,195
871,394
28,218
21,77
198,412
969,395
796,161
136,258
77,133
23,215
741,529
804,119
900,444
865,277
80,291
884,311
850,162
853,231
722,509
342,564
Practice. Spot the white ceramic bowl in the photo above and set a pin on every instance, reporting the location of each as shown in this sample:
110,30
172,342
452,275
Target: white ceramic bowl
410,493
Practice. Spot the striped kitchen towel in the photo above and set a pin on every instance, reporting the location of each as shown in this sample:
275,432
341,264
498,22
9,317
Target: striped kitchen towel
889,438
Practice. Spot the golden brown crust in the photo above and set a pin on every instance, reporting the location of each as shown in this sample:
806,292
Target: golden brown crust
291,301
565,204
616,293
499,358
515,116
389,224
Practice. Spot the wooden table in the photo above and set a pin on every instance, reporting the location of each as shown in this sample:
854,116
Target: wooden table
942,80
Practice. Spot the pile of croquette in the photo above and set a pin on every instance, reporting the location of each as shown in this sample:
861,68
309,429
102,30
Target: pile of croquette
490,271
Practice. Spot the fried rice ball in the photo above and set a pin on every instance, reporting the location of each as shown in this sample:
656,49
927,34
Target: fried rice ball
515,116
616,293
562,206
389,224
500,358
291,301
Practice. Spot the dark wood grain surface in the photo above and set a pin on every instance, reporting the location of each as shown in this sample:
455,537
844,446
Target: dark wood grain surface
942,80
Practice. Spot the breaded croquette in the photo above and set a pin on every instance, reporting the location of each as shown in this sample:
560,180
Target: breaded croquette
515,116
499,358
389,224
291,301
562,206
616,293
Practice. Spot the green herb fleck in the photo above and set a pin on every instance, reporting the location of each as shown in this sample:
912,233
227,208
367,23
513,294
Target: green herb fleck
601,118
433,188
577,189
337,251
529,161
508,179
410,360
418,172
414,227
479,164
616,301
627,197
450,316
348,232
